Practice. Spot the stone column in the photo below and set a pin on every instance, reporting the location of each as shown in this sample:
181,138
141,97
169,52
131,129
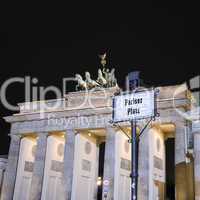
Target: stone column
11,170
38,170
3,164
180,164
1,178
180,141
109,164
143,166
68,163
197,164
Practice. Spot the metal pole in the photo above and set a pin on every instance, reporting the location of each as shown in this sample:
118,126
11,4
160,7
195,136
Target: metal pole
134,160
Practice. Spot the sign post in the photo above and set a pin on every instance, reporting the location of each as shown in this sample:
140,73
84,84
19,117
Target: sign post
133,107
134,163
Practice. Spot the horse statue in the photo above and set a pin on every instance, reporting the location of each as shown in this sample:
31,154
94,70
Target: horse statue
112,81
101,80
81,83
90,83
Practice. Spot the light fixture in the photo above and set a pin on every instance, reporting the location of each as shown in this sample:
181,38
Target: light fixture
89,134
99,181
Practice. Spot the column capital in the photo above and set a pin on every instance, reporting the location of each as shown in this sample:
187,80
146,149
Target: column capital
179,123
110,127
43,134
70,130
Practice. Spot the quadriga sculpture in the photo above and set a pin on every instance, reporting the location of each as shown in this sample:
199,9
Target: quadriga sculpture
90,83
101,80
81,83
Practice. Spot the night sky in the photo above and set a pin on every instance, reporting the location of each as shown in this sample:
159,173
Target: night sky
55,41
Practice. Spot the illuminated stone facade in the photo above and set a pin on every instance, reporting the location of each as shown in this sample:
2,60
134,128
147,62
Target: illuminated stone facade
55,153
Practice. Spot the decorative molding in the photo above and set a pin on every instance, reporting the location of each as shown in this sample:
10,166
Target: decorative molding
125,164
86,165
28,167
57,166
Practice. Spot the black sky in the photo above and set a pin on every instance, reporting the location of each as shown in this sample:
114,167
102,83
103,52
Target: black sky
55,41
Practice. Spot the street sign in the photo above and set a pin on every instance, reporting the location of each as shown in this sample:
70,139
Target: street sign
134,106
